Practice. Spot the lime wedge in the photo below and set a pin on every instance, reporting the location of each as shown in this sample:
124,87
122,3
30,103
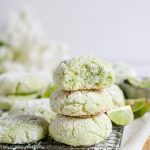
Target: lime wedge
122,115
142,111
136,104
139,106
48,92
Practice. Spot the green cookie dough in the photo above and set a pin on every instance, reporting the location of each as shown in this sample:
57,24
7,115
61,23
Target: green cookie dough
37,107
79,131
81,73
20,83
21,129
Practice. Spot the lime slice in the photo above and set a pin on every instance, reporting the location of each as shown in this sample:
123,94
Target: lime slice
139,106
142,111
122,115
49,91
136,104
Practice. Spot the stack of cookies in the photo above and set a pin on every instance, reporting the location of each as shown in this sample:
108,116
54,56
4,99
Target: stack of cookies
82,98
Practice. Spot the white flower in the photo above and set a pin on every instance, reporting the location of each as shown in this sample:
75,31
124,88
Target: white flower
27,43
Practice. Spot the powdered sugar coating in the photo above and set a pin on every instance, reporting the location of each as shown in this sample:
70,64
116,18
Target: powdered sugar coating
37,107
6,102
80,132
81,103
81,73
19,129
86,102
14,83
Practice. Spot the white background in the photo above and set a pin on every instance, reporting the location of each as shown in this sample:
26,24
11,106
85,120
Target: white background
111,29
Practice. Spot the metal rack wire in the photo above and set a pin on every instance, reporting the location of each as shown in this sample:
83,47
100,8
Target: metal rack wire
112,143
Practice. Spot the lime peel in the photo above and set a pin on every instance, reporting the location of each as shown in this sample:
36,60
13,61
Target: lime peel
139,106
122,115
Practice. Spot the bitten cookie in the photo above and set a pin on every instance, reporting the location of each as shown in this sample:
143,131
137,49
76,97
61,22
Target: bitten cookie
84,73
80,132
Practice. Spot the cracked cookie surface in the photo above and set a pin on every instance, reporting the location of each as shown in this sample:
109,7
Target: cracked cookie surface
13,83
20,129
79,131
117,95
37,107
81,103
6,102
86,102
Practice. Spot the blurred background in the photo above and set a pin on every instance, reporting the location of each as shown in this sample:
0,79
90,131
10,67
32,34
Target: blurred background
114,30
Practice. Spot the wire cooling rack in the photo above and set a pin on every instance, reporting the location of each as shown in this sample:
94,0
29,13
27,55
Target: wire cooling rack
112,143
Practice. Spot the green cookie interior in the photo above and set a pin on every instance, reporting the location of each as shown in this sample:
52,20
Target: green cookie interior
84,73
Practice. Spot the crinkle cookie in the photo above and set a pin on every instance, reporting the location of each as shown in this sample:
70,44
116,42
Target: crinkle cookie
80,132
122,72
21,83
117,95
81,103
20,129
81,73
37,107
6,102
